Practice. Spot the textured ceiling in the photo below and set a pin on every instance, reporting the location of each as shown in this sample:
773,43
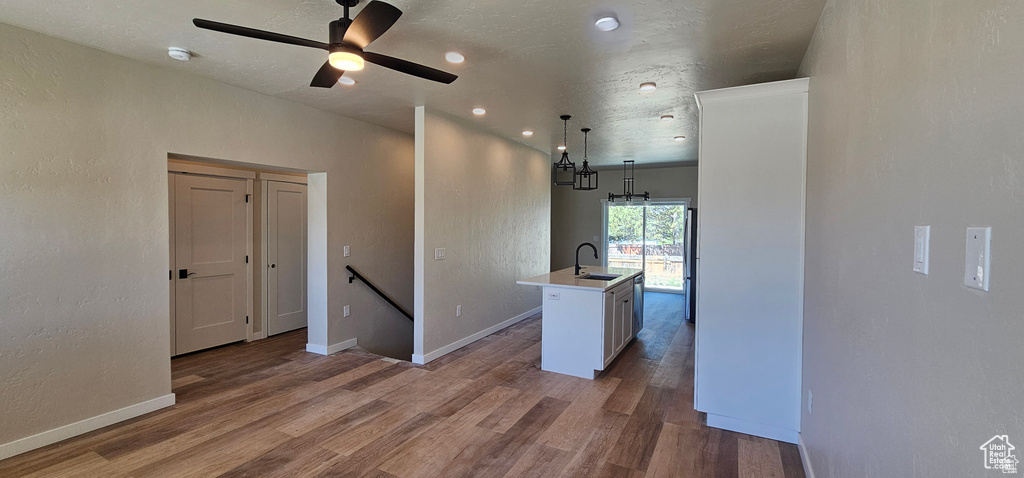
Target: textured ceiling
527,62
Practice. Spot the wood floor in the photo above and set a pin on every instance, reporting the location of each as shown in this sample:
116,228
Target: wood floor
268,408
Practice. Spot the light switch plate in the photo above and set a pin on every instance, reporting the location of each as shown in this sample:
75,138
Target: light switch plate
458,311
976,268
348,252
554,295
439,254
348,311
922,237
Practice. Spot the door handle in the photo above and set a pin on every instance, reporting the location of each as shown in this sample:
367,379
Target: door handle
185,274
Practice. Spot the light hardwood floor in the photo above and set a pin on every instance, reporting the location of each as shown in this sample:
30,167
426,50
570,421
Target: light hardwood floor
268,408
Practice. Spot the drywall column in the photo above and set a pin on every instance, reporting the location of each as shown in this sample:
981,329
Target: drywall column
317,331
487,201
753,147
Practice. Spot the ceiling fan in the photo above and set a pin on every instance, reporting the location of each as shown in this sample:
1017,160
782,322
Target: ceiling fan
348,39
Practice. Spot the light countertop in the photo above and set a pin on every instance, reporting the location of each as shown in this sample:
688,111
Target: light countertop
565,279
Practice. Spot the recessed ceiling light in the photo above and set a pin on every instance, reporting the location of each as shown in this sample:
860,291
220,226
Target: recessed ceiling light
179,54
667,118
527,133
454,57
679,139
479,111
346,81
607,24
561,147
648,87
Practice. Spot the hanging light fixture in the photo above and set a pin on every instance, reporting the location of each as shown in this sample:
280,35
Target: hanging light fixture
564,171
586,178
627,185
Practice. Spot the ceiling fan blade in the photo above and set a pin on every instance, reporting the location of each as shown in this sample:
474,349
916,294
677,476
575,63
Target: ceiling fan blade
327,77
258,34
371,22
409,67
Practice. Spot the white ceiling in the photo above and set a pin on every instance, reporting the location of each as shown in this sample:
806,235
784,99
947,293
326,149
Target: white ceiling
527,62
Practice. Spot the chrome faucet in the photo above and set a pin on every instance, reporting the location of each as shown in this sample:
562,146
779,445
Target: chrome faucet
578,255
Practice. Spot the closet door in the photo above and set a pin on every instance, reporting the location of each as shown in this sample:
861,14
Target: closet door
286,256
211,281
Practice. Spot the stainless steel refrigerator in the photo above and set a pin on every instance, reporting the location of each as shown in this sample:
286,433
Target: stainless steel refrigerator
690,282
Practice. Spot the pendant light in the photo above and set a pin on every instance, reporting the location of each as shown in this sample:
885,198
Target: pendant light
627,185
564,171
586,178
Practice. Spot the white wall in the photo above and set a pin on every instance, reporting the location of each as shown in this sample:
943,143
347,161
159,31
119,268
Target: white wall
916,117
83,206
576,216
486,200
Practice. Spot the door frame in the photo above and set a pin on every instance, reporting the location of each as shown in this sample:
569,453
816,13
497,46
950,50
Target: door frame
180,168
686,203
264,199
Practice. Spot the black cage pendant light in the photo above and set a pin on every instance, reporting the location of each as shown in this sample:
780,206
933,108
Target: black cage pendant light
564,171
586,178
627,185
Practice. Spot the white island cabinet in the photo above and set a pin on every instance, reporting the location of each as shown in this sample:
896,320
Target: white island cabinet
586,322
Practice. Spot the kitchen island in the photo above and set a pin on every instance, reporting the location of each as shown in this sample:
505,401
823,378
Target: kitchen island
588,319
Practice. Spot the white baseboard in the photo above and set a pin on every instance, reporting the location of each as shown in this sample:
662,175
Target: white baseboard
458,344
331,349
805,458
50,437
753,428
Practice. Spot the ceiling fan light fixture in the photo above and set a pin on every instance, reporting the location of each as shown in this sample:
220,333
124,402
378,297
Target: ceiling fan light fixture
346,61
607,23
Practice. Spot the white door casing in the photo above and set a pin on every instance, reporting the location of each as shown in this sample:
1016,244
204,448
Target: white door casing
211,237
285,256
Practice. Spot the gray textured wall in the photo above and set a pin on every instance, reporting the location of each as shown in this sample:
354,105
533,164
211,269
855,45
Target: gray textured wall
485,199
84,139
916,117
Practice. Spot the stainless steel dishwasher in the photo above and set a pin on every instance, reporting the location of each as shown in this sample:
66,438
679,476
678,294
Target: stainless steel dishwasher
638,304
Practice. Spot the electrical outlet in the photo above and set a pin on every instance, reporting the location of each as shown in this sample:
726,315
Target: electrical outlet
348,252
810,402
348,311
458,311
439,254
554,296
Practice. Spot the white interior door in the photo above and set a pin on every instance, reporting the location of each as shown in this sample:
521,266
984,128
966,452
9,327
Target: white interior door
211,281
286,256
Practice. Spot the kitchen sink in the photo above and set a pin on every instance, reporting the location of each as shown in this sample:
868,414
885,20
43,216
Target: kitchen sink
600,276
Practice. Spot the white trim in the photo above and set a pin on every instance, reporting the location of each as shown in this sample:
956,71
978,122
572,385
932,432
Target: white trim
805,456
282,178
425,358
753,428
50,437
331,349
249,309
188,168
799,85
265,259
